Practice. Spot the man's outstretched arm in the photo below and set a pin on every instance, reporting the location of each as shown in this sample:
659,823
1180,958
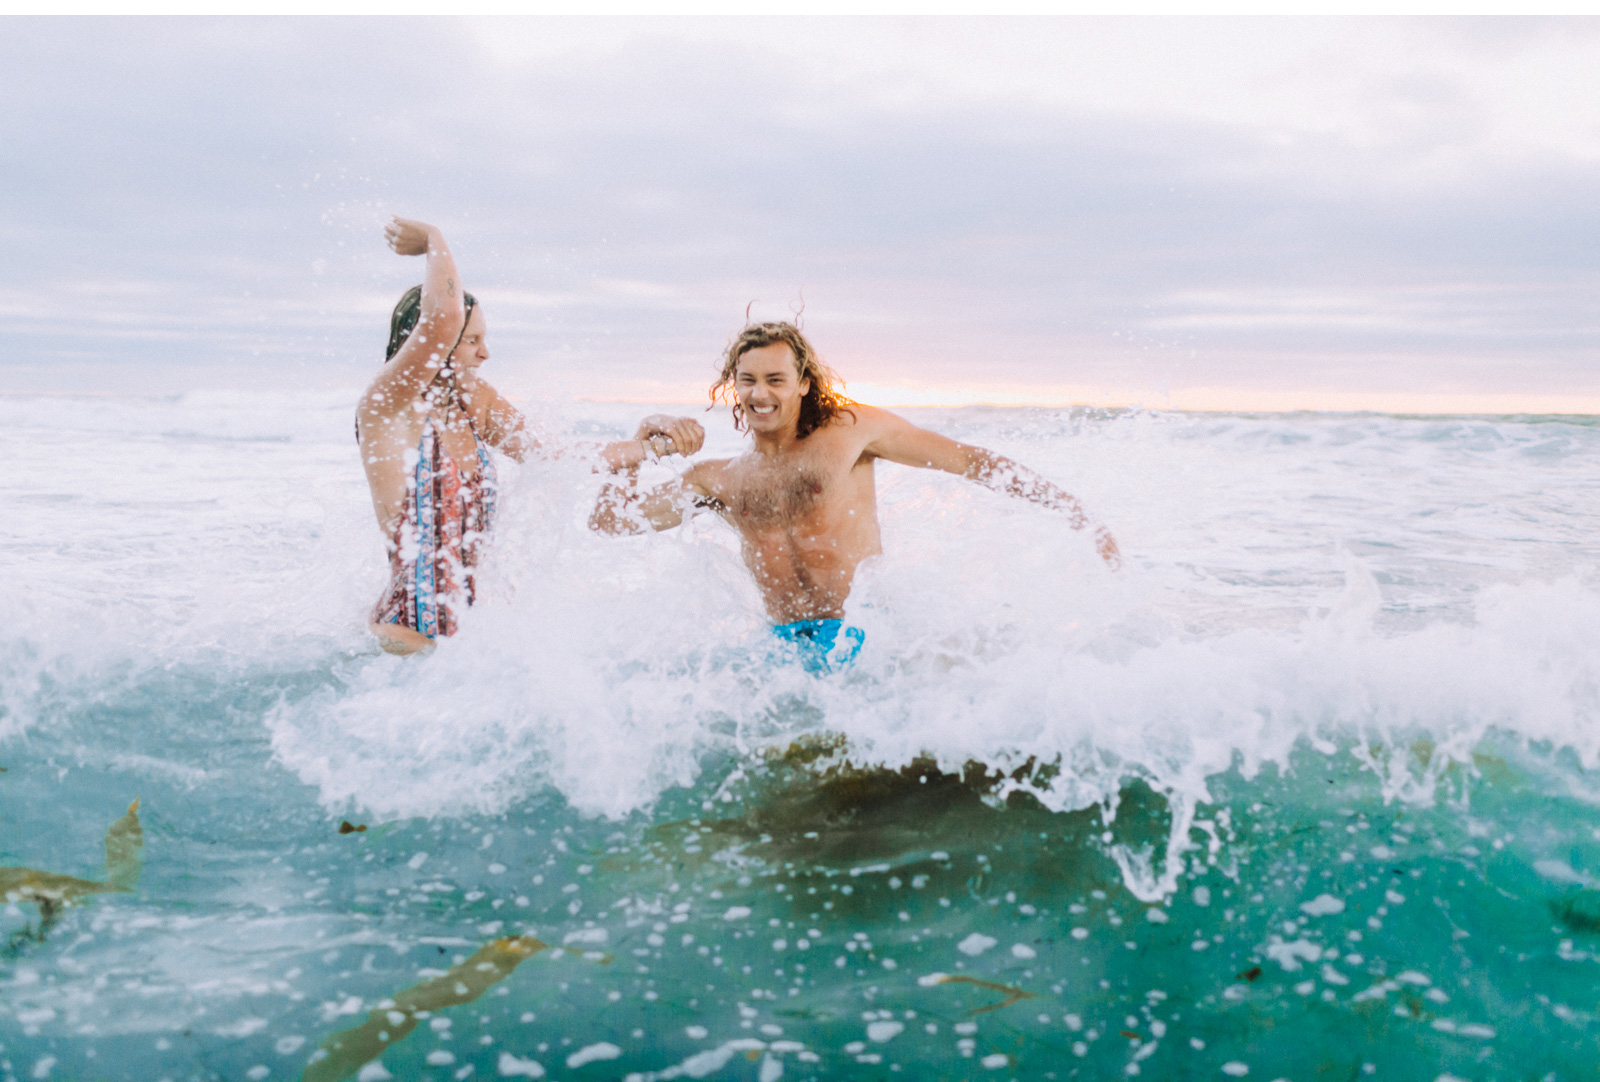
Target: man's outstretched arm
622,509
898,440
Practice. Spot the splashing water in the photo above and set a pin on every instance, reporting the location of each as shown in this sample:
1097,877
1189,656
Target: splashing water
1311,787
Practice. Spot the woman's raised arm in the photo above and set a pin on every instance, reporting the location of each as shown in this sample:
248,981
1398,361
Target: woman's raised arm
443,315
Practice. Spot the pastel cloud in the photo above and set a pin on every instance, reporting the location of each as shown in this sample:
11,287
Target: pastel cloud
1097,206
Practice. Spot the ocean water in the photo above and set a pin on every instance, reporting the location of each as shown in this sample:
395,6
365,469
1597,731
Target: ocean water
1309,791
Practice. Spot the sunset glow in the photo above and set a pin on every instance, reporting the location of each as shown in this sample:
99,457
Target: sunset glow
1205,213
1193,399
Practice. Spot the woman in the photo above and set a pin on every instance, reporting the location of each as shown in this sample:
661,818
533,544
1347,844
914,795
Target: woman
426,425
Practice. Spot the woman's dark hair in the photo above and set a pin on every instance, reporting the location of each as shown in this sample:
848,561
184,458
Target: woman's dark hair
406,314
821,404
404,320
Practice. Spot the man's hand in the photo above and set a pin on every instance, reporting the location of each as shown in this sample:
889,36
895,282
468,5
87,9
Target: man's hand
1106,546
407,237
686,434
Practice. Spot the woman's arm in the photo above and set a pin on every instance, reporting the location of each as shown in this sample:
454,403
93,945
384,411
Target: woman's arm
407,375
500,423
504,427
658,434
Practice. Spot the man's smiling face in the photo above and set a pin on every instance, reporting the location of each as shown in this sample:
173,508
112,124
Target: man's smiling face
769,389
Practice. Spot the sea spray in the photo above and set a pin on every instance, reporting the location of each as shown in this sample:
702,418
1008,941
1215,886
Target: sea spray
1309,788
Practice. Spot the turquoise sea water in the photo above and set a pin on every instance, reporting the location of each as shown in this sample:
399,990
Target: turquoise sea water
1309,792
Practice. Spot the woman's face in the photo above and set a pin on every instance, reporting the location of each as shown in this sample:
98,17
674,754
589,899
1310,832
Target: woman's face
473,349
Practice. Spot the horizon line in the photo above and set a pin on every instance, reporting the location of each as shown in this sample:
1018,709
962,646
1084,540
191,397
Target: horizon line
1196,400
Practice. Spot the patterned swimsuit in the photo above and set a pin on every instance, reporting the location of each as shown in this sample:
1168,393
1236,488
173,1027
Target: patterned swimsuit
436,544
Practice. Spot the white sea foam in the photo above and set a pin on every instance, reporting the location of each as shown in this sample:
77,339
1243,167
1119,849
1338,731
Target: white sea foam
1350,581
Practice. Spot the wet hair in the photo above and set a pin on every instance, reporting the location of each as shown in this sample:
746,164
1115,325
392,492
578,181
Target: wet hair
408,312
404,320
822,403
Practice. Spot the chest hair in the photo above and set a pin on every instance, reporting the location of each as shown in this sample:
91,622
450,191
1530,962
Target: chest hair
777,495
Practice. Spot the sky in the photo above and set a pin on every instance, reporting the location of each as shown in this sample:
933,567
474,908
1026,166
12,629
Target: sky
1210,213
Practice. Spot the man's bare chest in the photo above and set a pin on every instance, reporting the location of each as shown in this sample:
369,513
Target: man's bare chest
763,496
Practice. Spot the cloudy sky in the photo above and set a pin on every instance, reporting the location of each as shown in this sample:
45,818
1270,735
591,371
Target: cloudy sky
1336,213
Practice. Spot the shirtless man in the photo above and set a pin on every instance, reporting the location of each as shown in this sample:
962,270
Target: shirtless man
802,497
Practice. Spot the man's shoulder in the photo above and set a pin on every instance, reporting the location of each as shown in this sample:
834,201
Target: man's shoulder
854,420
707,471
862,425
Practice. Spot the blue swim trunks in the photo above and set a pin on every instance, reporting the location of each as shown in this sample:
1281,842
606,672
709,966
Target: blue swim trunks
823,645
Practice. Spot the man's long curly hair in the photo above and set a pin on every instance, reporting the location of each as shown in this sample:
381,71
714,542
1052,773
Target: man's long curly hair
822,403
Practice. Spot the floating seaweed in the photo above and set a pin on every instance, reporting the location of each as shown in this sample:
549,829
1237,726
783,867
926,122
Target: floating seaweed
347,1051
52,892
1013,994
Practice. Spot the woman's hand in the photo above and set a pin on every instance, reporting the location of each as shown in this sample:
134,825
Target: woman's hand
408,237
685,433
